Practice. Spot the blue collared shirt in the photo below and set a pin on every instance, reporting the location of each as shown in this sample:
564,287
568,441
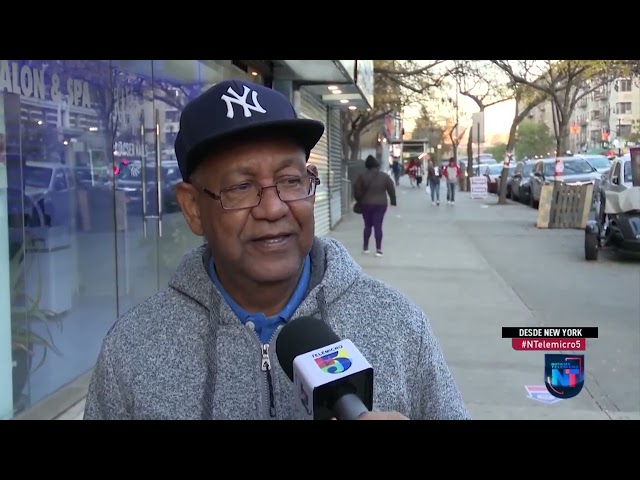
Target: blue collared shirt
266,326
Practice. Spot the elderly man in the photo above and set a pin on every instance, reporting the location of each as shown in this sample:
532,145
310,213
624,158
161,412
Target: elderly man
200,349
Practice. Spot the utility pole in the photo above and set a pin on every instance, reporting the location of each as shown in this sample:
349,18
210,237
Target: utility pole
618,137
457,140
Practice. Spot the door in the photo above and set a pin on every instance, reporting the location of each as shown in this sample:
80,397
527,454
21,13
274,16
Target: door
335,165
155,235
312,107
176,82
137,226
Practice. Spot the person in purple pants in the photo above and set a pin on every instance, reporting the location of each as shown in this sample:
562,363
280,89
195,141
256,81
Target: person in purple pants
370,190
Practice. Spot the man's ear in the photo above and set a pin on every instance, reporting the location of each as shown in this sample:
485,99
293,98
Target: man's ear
312,169
187,197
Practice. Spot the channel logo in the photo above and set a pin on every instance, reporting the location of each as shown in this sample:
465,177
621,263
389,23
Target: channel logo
334,362
564,374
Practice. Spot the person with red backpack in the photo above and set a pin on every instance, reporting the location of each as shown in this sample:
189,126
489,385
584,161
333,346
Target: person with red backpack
451,172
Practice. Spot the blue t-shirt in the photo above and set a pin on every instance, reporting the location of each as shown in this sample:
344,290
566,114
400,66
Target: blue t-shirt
266,326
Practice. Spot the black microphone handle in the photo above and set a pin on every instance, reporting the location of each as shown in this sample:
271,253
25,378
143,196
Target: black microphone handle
349,407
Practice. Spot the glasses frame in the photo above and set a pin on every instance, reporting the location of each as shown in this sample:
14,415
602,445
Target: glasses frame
314,181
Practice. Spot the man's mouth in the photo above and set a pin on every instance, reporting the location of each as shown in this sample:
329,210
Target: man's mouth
273,239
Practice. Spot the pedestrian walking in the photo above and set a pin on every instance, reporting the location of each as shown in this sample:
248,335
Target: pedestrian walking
434,174
370,191
396,168
451,173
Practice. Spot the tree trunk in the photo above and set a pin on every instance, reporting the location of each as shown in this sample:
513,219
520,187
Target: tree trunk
562,144
511,143
502,193
469,160
354,147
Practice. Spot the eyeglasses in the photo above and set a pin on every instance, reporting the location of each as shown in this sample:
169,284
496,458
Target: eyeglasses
249,195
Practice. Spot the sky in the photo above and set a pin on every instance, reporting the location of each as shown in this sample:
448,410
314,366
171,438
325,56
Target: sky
497,117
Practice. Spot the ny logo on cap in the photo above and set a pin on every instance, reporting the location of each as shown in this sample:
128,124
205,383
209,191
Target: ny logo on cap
242,101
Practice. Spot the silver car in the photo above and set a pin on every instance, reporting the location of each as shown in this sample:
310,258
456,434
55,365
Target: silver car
601,163
576,169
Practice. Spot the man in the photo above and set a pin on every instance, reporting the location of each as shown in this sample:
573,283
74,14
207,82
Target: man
201,348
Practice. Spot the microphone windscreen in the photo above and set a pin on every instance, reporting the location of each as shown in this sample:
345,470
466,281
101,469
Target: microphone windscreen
302,335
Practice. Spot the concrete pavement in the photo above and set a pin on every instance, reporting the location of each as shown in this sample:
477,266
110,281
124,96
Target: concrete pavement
76,412
476,267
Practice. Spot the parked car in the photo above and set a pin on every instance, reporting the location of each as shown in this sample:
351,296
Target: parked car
601,163
477,167
129,180
619,175
492,172
617,220
510,171
576,169
52,186
518,185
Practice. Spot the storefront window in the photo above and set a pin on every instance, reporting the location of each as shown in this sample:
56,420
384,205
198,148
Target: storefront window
89,223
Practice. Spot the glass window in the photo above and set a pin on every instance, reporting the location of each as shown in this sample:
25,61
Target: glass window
550,169
88,213
577,166
55,114
627,172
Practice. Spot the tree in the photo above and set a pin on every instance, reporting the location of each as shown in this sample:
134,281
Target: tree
626,68
467,184
525,99
565,82
453,134
635,132
427,128
396,83
487,84
497,151
484,85
533,138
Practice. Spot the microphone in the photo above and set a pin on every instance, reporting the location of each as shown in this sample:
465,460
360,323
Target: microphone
330,376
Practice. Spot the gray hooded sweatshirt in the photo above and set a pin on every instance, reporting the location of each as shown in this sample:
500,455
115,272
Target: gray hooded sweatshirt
183,353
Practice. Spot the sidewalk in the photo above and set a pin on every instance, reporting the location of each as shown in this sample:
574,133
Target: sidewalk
429,256
74,413
457,263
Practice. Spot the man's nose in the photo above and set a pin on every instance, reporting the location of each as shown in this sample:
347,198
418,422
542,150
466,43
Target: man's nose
270,207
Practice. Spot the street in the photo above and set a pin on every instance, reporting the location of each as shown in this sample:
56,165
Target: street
476,267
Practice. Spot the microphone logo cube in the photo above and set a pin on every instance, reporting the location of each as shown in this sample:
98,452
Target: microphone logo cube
318,373
334,362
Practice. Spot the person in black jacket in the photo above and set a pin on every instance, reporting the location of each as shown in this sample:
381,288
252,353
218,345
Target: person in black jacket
434,174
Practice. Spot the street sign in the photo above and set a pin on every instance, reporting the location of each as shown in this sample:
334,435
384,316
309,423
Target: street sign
478,127
479,188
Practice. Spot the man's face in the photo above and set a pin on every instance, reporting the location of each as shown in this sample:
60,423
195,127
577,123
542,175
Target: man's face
266,243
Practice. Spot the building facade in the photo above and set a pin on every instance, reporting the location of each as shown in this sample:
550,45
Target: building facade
89,224
608,117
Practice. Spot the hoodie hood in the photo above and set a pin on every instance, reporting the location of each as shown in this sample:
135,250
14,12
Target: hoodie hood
333,272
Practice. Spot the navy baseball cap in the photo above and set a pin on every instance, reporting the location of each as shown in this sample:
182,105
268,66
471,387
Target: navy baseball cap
233,108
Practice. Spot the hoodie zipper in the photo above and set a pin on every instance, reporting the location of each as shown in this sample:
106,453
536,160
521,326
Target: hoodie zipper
266,367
